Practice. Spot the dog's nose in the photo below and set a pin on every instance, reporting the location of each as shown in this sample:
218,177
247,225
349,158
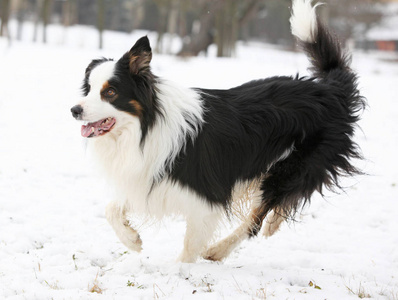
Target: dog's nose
77,111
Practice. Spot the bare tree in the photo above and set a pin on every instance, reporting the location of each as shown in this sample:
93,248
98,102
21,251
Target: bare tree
202,35
199,23
5,15
227,29
169,12
22,7
43,13
37,19
163,8
220,22
352,18
273,25
138,12
69,12
172,21
101,21
46,16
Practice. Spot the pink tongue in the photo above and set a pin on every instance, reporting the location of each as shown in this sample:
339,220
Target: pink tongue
87,130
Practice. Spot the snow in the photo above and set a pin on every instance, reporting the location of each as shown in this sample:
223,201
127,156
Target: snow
55,242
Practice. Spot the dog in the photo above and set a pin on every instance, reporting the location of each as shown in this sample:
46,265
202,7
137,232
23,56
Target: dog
171,150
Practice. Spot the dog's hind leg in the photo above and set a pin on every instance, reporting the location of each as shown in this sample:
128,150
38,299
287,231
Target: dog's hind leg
116,216
250,227
274,221
286,186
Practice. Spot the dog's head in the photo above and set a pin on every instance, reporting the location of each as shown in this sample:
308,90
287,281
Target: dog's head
116,90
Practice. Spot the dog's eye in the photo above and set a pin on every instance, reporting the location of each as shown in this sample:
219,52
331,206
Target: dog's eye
110,93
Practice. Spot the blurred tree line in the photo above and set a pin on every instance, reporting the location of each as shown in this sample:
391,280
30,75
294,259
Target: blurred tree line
199,23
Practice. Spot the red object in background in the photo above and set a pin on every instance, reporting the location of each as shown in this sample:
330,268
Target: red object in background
386,45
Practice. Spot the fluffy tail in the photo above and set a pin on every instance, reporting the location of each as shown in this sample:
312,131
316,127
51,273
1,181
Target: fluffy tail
329,62
322,48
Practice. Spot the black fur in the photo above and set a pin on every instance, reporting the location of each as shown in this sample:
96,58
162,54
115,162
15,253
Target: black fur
94,63
248,128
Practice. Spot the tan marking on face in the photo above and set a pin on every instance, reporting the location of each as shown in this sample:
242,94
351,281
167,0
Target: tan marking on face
137,107
106,86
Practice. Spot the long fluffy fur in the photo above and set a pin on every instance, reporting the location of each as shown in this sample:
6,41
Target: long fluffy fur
178,150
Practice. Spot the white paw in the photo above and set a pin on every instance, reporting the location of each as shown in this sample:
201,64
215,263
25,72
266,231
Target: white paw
131,239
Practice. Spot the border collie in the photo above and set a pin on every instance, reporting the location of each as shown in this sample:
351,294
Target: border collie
191,151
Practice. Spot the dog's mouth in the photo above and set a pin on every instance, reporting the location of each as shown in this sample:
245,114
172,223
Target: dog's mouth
98,128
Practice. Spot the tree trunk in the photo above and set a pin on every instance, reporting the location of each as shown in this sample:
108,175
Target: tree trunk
38,7
163,7
227,29
21,11
227,17
74,12
101,21
248,12
69,13
235,15
46,15
138,13
5,14
182,20
172,23
115,15
202,38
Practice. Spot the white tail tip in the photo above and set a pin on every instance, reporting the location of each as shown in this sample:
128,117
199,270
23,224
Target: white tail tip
303,21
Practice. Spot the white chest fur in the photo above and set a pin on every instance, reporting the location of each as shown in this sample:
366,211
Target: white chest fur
139,172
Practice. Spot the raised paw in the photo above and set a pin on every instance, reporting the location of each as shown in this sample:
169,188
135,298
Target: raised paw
130,238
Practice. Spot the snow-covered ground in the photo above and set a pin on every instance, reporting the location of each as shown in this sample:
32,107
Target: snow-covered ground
55,242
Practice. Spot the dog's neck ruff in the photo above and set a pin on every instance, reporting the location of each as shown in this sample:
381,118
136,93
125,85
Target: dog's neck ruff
125,158
181,121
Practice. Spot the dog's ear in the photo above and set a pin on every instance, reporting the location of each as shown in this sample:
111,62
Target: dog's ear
140,55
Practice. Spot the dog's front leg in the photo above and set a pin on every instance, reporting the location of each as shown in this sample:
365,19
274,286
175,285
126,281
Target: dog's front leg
200,230
116,216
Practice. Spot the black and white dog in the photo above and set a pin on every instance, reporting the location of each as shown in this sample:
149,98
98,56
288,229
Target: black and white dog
174,150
